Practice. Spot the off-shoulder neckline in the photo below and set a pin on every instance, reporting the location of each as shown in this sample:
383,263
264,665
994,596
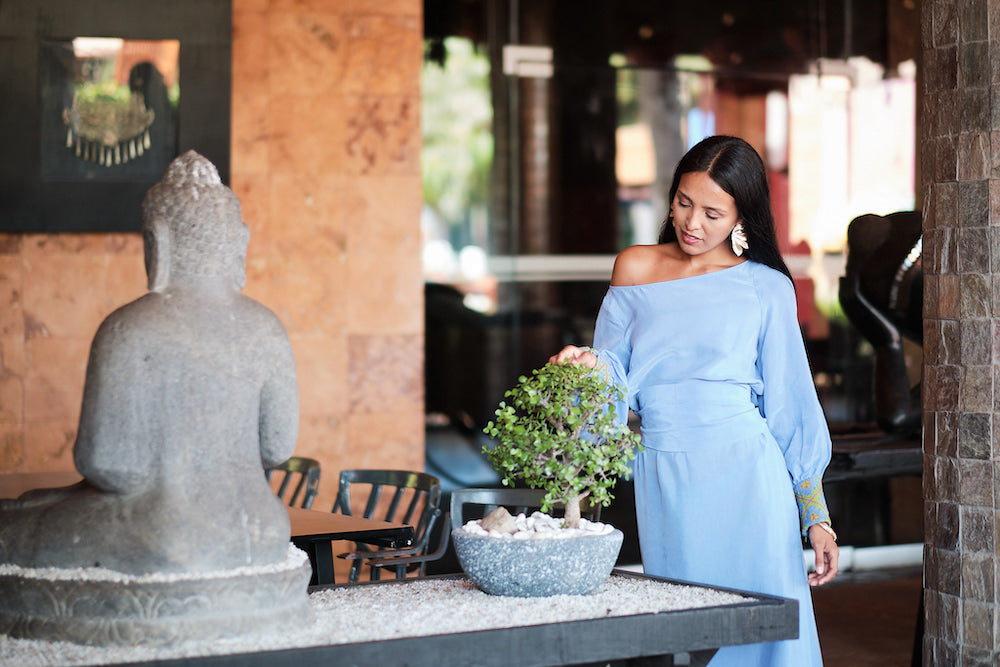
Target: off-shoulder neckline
684,278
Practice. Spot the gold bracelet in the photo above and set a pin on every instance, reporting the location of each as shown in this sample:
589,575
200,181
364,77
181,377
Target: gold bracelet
828,528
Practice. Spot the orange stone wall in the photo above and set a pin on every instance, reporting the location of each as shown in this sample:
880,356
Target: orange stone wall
54,292
326,163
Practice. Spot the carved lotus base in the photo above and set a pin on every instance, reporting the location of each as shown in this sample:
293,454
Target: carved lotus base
105,608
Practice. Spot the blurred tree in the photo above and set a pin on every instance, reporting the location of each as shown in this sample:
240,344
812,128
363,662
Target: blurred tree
458,137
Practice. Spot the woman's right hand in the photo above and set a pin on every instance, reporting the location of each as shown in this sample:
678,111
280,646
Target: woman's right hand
575,355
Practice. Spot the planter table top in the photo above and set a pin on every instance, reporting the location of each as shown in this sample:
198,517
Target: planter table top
425,622
346,616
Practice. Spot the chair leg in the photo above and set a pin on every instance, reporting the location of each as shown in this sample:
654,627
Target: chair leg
355,571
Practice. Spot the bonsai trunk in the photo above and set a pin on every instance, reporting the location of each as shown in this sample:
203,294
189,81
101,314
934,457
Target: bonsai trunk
573,510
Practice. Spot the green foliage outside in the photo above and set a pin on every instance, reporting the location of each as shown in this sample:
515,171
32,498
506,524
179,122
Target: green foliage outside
832,310
456,120
560,432
105,91
109,92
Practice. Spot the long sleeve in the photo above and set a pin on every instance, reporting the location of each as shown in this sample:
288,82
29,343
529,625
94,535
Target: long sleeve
612,345
789,402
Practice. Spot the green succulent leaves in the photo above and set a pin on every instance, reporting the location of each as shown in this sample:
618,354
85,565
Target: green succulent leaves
559,431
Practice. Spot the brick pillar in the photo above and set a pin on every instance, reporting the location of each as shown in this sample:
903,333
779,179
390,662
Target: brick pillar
960,140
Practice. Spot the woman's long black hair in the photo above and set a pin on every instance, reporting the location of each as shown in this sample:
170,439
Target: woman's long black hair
735,167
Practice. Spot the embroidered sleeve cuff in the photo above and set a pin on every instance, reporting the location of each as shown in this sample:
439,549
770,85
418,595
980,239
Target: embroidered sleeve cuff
603,366
811,502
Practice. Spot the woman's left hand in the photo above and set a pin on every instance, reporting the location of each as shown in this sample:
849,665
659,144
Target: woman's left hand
827,555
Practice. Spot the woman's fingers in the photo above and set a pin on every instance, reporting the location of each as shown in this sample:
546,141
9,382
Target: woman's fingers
568,353
827,557
575,355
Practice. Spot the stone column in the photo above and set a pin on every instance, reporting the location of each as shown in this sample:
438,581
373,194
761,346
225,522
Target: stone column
960,140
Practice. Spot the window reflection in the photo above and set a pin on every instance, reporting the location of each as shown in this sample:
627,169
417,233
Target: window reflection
109,108
838,142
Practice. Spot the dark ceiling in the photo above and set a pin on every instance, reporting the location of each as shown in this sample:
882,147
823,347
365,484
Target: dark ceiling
764,36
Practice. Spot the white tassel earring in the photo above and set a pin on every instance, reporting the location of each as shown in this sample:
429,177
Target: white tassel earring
738,239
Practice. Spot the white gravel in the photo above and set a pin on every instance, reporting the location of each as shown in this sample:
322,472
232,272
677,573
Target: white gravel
422,607
540,526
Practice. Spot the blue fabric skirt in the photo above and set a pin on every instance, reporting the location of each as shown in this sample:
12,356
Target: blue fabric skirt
717,507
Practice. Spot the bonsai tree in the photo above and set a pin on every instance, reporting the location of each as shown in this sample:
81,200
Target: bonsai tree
560,432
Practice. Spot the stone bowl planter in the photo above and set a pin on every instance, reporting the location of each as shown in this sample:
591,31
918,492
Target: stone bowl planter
537,567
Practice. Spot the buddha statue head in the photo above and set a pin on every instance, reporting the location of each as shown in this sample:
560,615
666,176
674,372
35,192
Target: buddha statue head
192,227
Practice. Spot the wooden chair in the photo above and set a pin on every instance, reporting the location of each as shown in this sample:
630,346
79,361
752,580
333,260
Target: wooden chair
410,497
468,504
306,471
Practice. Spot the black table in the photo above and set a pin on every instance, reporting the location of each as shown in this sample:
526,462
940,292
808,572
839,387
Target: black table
314,532
637,639
864,461
868,454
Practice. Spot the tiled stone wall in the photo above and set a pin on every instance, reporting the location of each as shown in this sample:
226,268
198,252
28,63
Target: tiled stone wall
54,292
961,400
326,163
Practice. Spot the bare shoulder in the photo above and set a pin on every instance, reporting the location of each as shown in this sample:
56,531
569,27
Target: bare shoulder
641,264
633,264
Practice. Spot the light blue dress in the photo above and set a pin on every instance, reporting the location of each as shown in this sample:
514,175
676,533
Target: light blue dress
735,439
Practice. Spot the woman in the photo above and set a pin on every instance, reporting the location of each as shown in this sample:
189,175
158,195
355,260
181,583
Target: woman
702,331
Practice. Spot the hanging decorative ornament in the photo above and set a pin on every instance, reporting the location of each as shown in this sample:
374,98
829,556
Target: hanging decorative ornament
738,239
108,131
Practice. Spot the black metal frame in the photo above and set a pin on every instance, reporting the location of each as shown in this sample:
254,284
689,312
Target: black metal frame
29,203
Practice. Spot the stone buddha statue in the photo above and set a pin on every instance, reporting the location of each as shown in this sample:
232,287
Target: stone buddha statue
190,391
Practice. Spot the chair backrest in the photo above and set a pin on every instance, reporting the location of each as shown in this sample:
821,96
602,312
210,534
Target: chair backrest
410,497
468,504
411,491
307,473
